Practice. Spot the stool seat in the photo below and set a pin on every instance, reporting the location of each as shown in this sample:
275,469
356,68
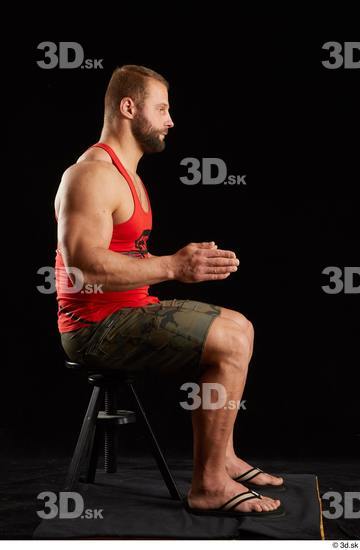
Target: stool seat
74,366
99,372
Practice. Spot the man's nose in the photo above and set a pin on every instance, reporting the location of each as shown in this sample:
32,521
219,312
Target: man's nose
170,123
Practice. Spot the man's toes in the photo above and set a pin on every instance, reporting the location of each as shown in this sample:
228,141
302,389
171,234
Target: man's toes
277,480
268,503
274,480
273,503
262,506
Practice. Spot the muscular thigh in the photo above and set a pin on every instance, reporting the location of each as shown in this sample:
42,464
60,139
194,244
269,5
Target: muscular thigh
166,338
175,335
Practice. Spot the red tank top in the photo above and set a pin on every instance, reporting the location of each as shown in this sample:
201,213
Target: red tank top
81,308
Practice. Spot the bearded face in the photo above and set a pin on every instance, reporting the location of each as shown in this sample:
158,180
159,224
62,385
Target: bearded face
150,139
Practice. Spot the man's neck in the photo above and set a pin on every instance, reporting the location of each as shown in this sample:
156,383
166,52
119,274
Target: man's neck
125,148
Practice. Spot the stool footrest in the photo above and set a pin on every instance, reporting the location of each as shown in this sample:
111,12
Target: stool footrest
121,417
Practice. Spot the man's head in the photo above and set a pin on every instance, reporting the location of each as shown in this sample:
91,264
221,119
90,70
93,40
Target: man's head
140,96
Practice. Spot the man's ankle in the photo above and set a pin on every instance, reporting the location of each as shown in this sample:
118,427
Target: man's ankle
231,457
205,481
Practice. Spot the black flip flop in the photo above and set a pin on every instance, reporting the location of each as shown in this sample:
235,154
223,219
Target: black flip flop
253,472
226,510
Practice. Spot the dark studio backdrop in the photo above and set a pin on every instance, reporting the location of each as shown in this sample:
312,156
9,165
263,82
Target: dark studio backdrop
274,114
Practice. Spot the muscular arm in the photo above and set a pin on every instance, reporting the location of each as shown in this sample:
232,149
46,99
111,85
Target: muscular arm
85,228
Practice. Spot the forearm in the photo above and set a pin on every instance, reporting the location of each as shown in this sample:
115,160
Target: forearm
116,271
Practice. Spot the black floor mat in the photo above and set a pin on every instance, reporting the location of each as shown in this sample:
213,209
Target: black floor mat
135,504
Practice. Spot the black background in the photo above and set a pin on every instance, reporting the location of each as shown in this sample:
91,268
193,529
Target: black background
255,94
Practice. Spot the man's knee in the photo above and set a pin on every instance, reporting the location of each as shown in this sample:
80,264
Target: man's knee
243,323
241,344
247,328
228,344
251,330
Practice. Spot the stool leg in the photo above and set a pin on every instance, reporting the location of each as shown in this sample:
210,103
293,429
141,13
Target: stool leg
159,457
110,455
93,456
86,433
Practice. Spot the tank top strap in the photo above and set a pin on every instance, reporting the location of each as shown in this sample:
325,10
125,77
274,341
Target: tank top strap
118,164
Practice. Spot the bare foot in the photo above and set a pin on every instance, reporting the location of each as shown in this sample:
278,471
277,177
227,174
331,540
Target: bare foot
216,494
236,467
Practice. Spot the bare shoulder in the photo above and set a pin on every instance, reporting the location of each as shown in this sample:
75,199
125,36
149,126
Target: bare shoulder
91,172
87,180
93,168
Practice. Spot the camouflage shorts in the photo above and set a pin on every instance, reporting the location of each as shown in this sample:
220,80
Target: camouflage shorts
167,337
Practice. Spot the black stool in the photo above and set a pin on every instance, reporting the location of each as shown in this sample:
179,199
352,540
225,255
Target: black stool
105,385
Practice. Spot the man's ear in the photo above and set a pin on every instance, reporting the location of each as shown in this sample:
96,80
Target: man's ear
127,107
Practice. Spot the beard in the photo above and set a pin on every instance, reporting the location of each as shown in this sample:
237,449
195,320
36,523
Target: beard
147,137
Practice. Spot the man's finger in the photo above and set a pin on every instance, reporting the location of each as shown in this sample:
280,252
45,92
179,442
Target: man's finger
220,269
206,244
216,252
214,262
